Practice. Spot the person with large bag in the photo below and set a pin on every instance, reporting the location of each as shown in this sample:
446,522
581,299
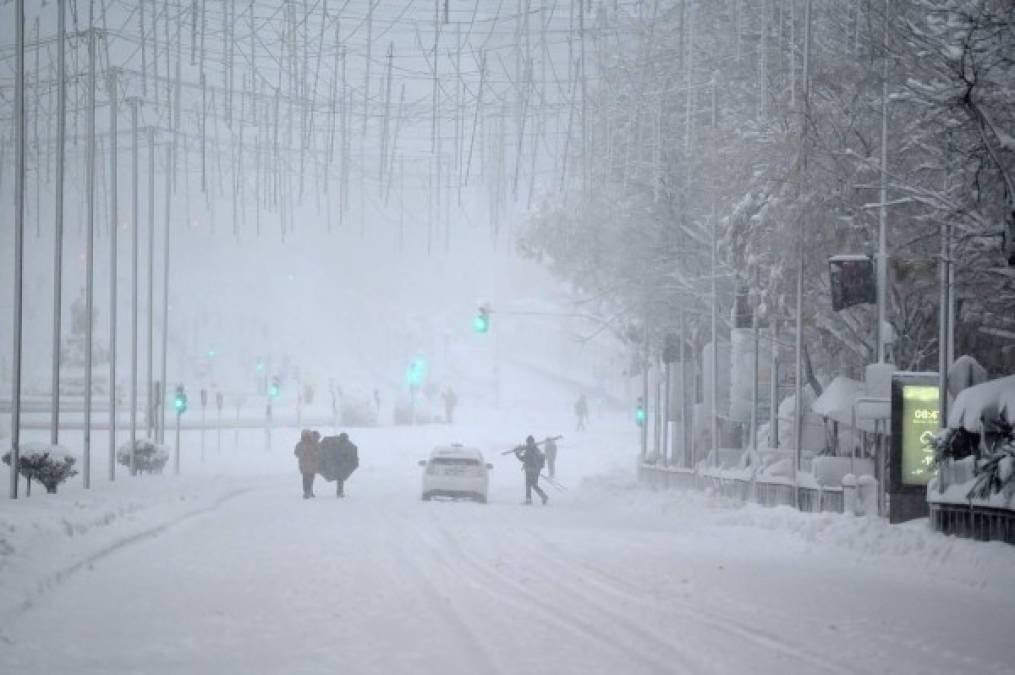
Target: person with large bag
339,458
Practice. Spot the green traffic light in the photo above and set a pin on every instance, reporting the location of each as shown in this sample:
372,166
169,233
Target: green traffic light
180,402
416,373
639,415
481,323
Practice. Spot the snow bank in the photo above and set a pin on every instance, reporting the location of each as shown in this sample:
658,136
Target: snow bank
910,548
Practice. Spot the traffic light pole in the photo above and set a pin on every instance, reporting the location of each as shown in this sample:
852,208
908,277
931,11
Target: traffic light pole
218,434
203,423
267,427
176,454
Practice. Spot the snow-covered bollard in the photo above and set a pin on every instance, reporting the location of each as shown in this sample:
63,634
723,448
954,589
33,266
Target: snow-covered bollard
850,503
867,495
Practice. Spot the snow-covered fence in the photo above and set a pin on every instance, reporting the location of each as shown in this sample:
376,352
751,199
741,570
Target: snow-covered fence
973,521
744,486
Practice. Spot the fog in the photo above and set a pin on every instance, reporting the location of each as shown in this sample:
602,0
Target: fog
501,336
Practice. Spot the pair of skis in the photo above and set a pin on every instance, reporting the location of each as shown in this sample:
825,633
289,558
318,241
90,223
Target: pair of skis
553,482
538,443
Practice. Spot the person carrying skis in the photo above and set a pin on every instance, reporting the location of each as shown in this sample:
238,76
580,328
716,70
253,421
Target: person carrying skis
532,463
307,453
550,450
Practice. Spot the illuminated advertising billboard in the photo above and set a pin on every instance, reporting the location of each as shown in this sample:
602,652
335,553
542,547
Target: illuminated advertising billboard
919,412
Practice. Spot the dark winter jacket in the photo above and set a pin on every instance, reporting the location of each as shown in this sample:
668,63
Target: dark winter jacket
308,454
531,458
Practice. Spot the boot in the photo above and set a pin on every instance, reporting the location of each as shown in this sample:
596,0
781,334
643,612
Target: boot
545,499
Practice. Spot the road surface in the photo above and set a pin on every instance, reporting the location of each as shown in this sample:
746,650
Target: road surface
605,579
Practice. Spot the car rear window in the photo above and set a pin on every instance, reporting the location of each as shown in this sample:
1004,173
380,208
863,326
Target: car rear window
454,461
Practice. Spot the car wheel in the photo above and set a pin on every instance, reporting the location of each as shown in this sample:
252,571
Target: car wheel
426,496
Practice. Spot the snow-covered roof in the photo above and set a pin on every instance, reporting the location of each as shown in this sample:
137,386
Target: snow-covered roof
848,257
836,403
455,450
991,398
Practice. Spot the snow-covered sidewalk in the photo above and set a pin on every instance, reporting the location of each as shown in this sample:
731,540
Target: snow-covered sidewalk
45,538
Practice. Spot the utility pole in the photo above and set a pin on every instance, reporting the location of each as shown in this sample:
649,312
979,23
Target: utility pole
19,236
113,227
134,215
61,131
86,459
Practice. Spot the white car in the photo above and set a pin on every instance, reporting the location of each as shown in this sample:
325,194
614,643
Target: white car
457,472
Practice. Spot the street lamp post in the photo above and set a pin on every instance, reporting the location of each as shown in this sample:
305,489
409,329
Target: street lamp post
113,230
19,237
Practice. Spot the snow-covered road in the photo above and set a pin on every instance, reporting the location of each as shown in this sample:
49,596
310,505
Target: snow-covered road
606,579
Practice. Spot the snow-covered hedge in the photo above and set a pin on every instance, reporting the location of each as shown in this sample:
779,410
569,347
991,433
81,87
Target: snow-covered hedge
47,464
980,435
149,457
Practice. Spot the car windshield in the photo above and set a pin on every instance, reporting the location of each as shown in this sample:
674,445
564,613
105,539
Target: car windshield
454,461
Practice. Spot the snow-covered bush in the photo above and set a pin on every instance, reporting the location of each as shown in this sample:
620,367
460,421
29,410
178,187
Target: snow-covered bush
48,464
994,474
954,444
980,429
149,457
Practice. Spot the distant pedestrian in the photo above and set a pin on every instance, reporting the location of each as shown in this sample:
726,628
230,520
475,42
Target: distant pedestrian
581,411
307,453
450,401
550,450
532,463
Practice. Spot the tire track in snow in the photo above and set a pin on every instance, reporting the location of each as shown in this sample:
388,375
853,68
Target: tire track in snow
475,645
622,589
934,652
633,633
